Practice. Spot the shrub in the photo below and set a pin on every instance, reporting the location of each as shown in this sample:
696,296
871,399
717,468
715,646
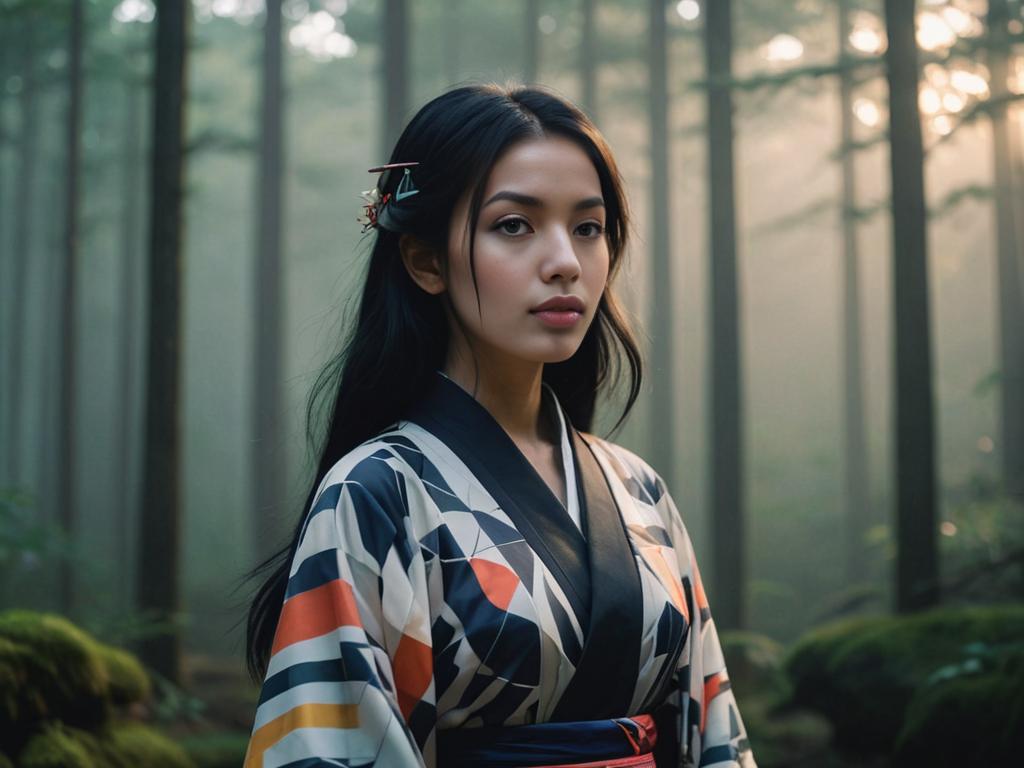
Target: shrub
862,673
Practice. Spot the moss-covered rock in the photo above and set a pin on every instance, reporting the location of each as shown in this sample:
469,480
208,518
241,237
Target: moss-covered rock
129,682
59,746
862,673
217,749
65,669
135,744
16,698
127,745
969,718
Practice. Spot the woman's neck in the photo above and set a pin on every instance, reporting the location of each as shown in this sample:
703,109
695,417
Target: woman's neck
511,393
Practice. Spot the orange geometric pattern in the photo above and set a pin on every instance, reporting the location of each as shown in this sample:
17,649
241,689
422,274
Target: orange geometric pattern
316,612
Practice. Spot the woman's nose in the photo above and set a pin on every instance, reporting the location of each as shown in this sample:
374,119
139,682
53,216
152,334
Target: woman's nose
561,261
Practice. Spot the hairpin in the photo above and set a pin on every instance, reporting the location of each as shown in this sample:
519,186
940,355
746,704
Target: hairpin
375,201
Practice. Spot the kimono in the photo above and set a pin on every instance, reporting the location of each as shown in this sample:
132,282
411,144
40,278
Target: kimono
440,592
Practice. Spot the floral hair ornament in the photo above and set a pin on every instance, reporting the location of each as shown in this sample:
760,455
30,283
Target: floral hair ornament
375,201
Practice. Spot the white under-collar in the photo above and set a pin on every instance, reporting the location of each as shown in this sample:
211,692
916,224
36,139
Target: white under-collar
572,502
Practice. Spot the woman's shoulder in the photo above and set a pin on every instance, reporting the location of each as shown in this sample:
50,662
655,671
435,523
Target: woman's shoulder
641,479
376,464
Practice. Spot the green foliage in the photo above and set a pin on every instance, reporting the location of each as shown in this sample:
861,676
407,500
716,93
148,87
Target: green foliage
60,692
754,661
780,737
26,546
15,660
862,673
129,745
128,680
58,746
137,744
63,677
173,703
968,698
217,750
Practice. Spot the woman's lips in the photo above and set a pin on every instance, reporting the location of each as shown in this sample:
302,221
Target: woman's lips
558,319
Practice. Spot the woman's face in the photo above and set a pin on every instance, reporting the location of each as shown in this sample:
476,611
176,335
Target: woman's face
540,236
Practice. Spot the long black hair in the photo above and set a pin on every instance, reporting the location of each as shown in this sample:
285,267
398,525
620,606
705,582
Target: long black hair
401,333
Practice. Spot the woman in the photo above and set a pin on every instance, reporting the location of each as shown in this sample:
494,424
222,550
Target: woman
476,580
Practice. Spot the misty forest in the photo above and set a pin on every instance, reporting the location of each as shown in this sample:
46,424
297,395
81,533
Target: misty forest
827,276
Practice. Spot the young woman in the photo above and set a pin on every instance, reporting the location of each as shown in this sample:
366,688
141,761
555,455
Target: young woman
476,580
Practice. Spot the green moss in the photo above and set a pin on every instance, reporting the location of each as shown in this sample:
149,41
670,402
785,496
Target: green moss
136,744
127,745
217,750
129,682
987,706
58,746
862,673
64,672
5,762
15,661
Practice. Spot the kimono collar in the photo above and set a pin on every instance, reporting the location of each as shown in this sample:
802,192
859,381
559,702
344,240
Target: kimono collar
588,565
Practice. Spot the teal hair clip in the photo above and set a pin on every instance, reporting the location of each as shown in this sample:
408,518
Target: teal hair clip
375,201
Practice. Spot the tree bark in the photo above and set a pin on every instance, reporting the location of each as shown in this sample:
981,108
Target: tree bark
661,314
917,582
395,71
588,60
64,471
725,431
531,43
1010,321
855,497
131,253
451,29
159,535
268,457
23,242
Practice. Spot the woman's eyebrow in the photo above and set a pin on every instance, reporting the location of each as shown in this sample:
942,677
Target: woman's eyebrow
517,197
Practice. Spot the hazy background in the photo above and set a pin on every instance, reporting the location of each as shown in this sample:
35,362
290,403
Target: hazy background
789,254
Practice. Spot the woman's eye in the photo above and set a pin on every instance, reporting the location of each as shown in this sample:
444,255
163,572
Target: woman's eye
595,229
502,224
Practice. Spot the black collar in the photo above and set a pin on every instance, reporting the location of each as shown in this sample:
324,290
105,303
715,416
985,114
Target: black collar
589,566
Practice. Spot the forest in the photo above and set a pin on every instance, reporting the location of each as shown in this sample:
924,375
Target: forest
828,275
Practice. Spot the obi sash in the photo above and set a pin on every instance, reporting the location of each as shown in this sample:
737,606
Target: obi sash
619,741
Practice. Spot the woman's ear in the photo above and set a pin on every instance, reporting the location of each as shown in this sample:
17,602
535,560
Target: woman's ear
422,263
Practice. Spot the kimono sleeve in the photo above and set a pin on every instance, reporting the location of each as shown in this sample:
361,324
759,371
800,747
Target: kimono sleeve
350,676
711,731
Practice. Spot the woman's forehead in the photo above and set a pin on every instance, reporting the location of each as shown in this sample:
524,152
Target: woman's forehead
546,168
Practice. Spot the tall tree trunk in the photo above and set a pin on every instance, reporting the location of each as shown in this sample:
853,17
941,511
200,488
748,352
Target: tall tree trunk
64,471
6,279
451,29
22,251
395,71
725,433
1005,145
662,340
588,60
268,458
917,584
126,415
855,497
159,533
531,43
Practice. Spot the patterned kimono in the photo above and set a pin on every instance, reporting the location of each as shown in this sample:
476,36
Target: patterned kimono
439,587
